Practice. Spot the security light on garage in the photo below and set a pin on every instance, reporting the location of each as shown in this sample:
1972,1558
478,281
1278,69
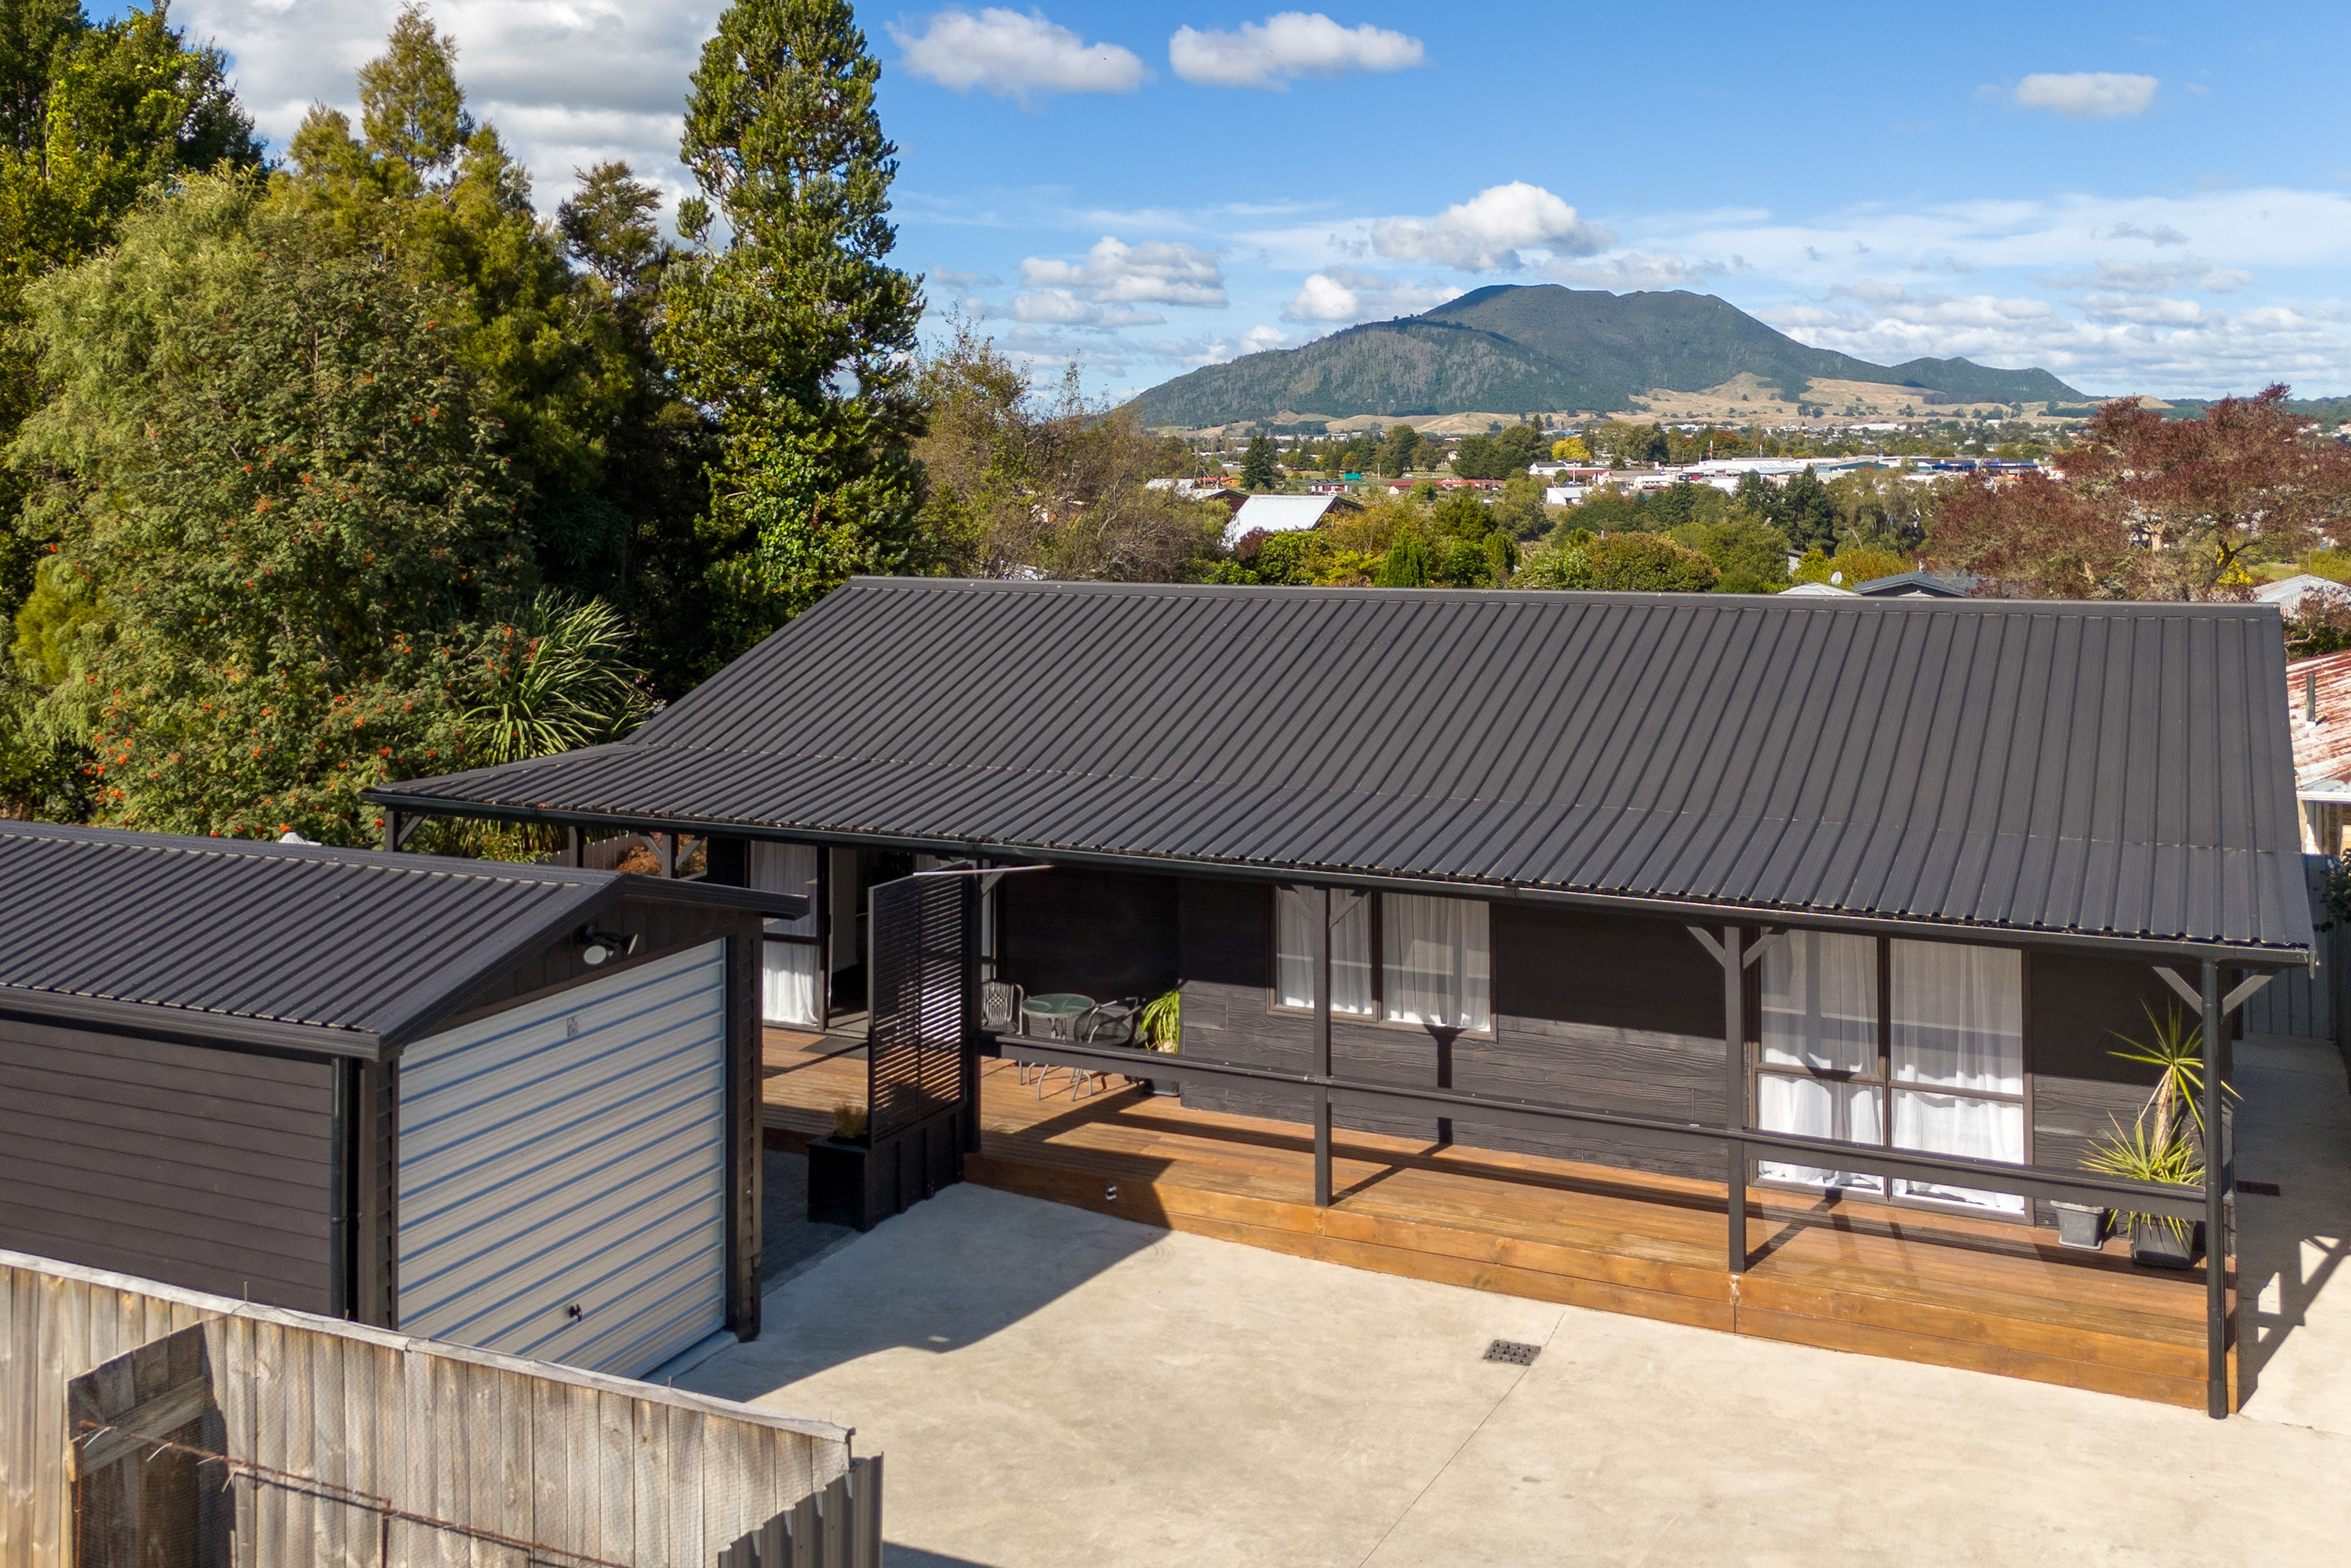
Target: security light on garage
598,948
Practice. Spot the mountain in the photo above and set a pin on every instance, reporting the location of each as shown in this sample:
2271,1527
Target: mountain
1511,350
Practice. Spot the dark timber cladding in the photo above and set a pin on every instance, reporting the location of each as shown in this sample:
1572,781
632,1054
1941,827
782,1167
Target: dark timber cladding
2082,769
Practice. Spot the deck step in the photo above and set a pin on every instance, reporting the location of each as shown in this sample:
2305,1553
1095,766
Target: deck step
2156,1356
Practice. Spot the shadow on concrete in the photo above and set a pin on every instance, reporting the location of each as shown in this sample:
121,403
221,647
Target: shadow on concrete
896,1554
788,1237
2293,1130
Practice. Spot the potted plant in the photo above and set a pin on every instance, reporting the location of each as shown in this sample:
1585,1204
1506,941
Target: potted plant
839,1180
2163,1142
1160,1026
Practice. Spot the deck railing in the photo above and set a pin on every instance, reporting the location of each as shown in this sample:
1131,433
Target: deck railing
2088,1188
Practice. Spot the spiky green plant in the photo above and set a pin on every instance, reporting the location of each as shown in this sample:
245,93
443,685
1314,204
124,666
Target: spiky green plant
1163,1020
2157,1146
2133,1153
561,682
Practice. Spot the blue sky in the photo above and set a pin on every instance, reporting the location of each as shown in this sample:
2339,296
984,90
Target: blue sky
2150,198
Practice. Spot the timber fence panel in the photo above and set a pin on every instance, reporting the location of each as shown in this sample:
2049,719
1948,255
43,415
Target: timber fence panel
334,1443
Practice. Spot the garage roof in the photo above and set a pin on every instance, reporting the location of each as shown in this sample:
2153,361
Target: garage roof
345,951
2113,770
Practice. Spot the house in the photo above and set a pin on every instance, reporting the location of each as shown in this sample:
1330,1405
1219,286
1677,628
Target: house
2289,593
1286,514
508,1106
1835,904
1819,590
2318,696
1920,584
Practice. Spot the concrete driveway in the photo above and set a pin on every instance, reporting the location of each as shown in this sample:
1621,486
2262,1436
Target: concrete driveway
1058,1387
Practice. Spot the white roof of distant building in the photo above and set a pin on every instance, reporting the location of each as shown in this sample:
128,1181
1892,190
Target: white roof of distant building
1279,513
2287,593
1819,590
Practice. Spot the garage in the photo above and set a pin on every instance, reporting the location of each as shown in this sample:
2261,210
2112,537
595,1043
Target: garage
511,1106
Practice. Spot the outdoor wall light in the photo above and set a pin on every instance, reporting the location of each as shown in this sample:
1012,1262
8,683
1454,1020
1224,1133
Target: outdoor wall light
598,948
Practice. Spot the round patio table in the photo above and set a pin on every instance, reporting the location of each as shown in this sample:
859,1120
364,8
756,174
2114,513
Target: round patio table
1057,1012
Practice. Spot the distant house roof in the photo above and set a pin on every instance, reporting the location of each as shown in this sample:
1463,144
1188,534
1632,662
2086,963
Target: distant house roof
2288,592
1918,585
2095,769
292,945
2322,739
1817,591
1285,514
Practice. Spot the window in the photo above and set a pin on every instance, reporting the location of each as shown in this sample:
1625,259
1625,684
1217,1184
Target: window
788,988
1435,965
1853,1027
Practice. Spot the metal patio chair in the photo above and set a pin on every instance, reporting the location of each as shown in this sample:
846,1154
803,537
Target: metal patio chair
1105,1023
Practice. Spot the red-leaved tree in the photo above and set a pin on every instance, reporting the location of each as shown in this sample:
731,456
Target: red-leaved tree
2153,509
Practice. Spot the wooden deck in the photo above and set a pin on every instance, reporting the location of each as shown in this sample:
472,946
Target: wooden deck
1951,1290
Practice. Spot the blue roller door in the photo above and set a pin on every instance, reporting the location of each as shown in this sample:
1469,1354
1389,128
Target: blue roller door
563,1171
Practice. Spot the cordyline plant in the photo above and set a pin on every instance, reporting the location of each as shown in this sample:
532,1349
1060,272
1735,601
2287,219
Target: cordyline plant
2163,1143
2153,509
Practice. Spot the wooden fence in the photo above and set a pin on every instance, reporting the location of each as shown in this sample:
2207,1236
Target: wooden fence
344,1444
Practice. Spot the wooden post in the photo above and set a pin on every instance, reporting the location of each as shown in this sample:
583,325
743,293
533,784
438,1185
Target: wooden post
391,828
668,843
572,849
1734,1095
2216,1227
1322,1051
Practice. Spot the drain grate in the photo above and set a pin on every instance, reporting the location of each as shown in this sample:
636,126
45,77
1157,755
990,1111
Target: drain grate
1514,1352
2261,1189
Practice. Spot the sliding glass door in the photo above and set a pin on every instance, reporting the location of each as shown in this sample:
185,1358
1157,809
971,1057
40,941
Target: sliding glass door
1897,1044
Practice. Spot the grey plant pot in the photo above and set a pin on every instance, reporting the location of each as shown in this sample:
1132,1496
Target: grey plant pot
2081,1225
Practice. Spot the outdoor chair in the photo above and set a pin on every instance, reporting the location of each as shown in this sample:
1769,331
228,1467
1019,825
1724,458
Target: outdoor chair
1105,1023
999,1013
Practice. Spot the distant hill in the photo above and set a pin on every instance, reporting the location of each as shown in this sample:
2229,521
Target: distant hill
1514,349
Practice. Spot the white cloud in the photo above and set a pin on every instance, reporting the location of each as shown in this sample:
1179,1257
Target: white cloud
567,82
1216,351
1059,307
2161,234
2087,95
1154,272
2156,278
948,277
1343,293
1288,44
1014,55
1485,233
1635,270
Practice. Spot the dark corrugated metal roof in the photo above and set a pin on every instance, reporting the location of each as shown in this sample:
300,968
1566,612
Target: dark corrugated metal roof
291,943
2112,768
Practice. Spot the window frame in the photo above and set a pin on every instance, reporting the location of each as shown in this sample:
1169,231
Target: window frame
1375,938
1881,1078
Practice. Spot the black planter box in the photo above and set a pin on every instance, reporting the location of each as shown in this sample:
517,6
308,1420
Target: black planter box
861,1185
2155,1245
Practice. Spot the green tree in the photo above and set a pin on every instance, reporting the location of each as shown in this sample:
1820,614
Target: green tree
1804,511
1261,464
1399,452
284,534
425,183
787,321
1622,563
1750,555
1405,564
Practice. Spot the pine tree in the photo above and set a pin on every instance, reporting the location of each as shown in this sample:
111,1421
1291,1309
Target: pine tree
788,322
1261,468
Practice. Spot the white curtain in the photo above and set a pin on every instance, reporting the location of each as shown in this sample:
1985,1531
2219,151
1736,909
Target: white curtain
1820,1002
1958,1023
788,984
1436,960
1958,1016
1817,1108
788,970
1955,1124
1296,909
